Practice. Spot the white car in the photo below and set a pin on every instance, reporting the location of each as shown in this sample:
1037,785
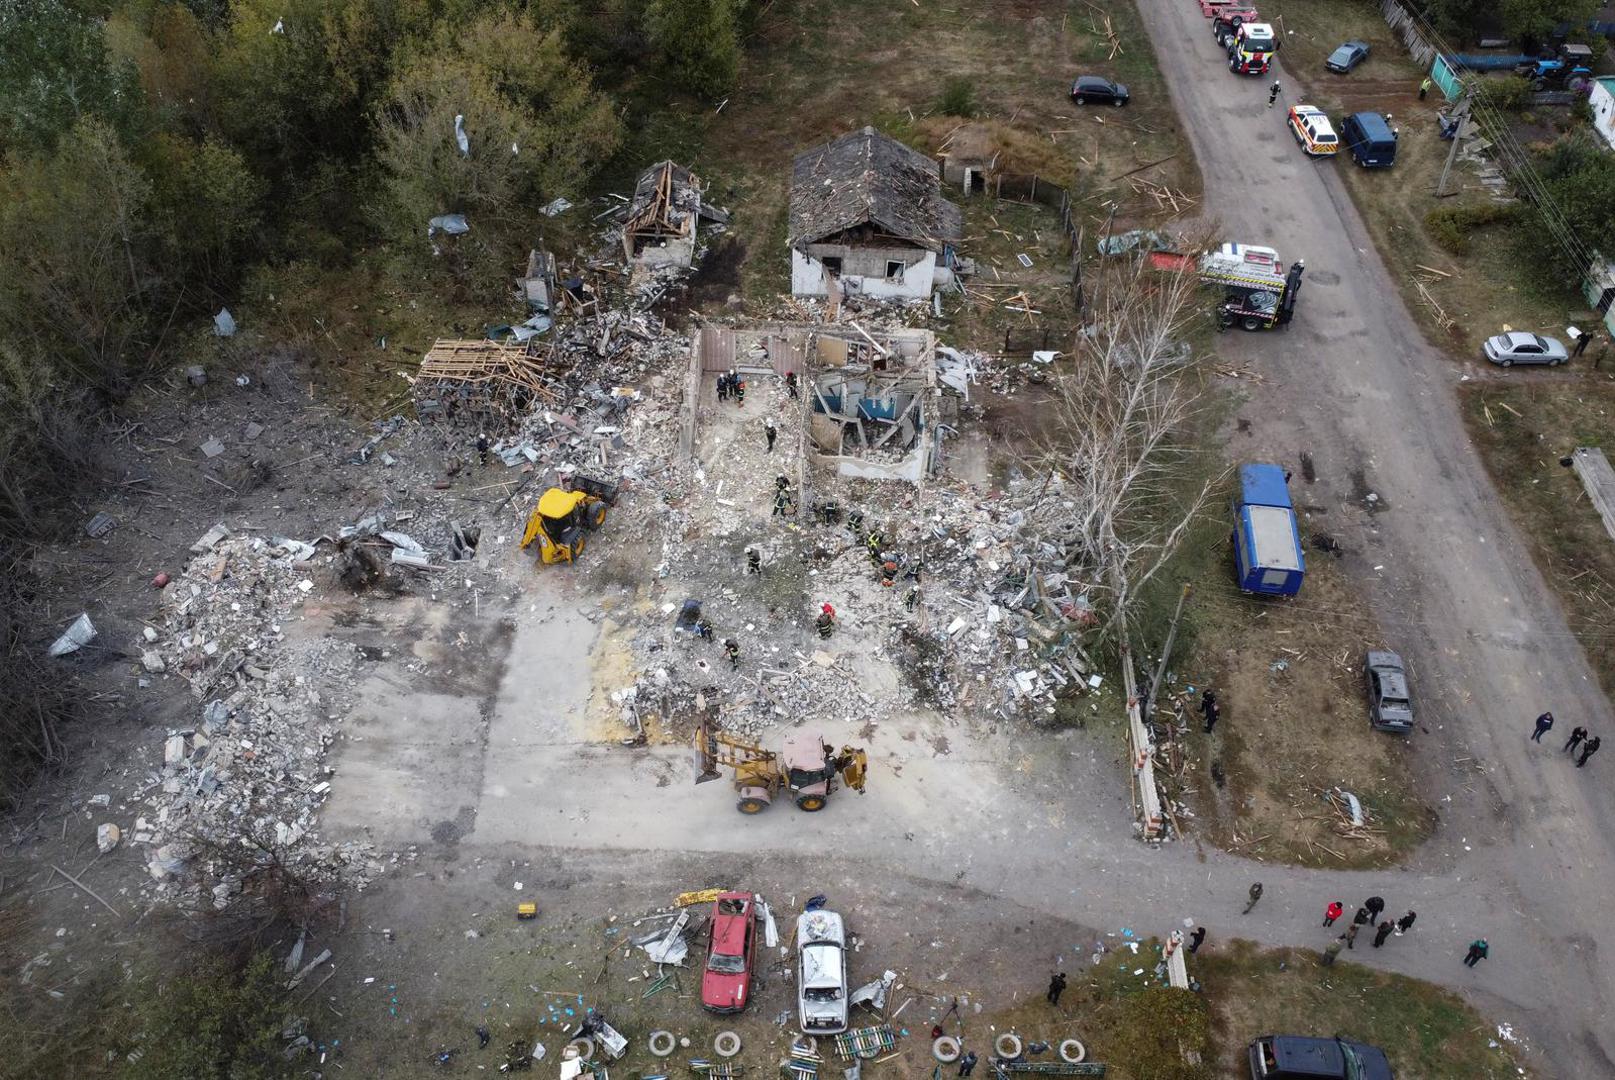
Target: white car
821,984
1517,347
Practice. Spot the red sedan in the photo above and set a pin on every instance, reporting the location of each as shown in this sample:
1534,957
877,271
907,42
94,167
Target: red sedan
731,950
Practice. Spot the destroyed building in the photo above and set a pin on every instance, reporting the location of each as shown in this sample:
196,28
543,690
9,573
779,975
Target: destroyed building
868,217
487,384
660,225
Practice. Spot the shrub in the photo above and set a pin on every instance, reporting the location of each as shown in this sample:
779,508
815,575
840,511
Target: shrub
1452,227
1510,93
958,98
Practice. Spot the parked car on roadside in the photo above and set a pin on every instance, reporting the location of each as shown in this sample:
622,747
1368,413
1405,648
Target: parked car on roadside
1301,1057
1098,90
821,984
1347,56
1520,347
731,953
1311,127
1390,708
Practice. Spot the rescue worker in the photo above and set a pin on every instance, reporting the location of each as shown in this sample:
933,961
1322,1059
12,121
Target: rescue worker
1272,93
723,386
482,447
703,630
754,561
731,649
790,384
826,623
770,432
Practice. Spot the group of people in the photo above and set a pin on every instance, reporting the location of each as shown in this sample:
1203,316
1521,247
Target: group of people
1367,915
731,387
1579,739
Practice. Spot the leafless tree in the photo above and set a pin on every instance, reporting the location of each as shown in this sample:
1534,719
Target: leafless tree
1121,489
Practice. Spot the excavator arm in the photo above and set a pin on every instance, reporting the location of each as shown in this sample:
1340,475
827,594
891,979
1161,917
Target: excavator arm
714,748
853,765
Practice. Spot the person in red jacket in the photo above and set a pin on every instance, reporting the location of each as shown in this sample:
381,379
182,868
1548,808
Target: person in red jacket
1333,912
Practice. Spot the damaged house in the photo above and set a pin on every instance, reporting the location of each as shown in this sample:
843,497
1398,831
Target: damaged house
868,217
874,403
660,224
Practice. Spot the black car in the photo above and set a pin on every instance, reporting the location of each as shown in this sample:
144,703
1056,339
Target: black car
1346,57
1100,91
1300,1057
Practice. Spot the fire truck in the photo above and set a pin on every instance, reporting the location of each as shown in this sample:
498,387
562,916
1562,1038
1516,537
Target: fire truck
1259,292
1251,50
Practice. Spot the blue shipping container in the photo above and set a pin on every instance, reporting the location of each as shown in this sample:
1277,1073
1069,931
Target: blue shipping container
1266,539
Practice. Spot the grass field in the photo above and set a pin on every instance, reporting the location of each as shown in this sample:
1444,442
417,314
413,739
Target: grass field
1499,279
1523,426
1424,1030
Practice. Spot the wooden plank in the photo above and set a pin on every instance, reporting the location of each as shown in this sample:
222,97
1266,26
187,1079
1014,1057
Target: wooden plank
1599,480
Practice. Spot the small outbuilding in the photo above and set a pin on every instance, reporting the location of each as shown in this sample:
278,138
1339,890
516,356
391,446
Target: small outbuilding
660,224
868,217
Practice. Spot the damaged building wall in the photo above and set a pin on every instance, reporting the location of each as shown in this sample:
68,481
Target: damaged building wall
865,270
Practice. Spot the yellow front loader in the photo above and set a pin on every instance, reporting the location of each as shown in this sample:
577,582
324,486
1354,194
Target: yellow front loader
807,768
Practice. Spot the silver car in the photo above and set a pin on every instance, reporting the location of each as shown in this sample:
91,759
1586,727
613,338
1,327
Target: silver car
1389,706
821,984
1519,347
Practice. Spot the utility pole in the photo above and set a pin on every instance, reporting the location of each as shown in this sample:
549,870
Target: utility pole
1166,650
1457,137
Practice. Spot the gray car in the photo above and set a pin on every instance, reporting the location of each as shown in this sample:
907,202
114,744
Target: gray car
1519,347
1347,57
1389,706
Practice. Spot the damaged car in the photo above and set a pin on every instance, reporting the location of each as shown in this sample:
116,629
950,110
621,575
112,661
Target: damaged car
731,952
821,985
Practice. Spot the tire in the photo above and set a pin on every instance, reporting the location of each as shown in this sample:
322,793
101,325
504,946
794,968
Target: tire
597,515
726,1044
810,803
751,805
1081,100
585,1047
1119,102
1251,322
946,1049
1072,1052
1009,1046
1505,362
655,1038
1233,65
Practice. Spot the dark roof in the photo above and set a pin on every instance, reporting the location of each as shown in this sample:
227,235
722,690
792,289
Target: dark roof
866,178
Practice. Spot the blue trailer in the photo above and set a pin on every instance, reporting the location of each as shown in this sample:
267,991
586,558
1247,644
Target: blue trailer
1267,541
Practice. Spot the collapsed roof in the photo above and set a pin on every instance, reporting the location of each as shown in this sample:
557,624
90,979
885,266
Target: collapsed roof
865,178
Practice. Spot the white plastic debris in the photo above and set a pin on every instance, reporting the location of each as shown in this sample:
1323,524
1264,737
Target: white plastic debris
224,324
79,634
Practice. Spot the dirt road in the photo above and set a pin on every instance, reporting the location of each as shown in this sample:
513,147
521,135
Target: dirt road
1353,382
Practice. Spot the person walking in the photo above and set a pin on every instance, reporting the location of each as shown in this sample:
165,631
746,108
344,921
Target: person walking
1056,988
1583,340
1544,724
1588,749
1330,951
1375,905
770,432
723,386
1383,932
967,1063
1196,938
738,386
482,447
1405,923
790,388
1478,950
1208,700
1272,93
1255,895
1361,918
1351,933
731,649
1576,735
1213,714
1424,87
1333,912
754,561
826,623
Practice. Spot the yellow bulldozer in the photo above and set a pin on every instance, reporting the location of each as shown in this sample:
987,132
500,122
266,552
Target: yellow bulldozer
807,768
565,515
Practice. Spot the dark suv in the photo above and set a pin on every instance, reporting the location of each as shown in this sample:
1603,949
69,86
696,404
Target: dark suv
1301,1057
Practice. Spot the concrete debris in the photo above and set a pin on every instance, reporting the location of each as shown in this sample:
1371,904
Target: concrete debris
99,525
196,375
79,633
107,837
152,660
212,448
210,539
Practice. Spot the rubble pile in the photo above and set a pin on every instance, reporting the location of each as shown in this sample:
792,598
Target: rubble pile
249,774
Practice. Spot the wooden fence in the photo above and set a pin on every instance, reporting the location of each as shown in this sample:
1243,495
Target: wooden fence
1032,188
1399,19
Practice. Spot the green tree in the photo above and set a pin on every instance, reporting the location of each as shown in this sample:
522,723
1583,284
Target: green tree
699,41
75,271
54,71
214,1024
1464,20
535,124
206,208
1580,179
